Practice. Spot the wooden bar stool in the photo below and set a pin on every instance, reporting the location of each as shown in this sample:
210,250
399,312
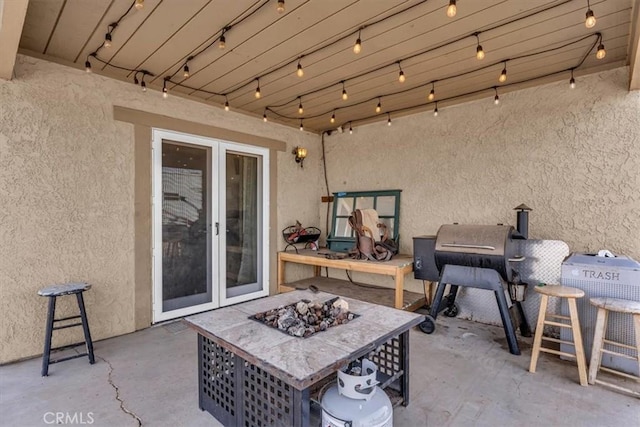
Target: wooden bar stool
52,292
574,324
605,305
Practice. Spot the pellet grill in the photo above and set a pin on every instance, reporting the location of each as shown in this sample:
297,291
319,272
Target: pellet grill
477,256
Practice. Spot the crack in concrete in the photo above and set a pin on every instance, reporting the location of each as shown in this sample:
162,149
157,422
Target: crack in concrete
117,389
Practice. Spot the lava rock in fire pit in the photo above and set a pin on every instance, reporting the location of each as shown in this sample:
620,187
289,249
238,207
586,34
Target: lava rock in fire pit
304,318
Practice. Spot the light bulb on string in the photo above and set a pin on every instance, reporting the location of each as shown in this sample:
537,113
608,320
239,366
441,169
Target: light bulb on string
435,110
165,91
503,74
432,94
357,48
590,20
107,40
280,6
222,43
452,9
299,71
350,129
479,50
264,116
257,94
300,109
87,63
601,53
344,92
226,103
572,81
389,119
301,125
379,106
185,71
333,117
143,85
496,99
139,4
401,76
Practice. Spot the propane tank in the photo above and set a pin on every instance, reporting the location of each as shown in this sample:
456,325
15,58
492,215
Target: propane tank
356,400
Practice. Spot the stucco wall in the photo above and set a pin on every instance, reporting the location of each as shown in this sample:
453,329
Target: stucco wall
67,193
573,156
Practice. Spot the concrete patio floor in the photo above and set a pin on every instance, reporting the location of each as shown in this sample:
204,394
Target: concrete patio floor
461,375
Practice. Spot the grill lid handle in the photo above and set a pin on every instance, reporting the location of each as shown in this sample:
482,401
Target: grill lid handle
460,245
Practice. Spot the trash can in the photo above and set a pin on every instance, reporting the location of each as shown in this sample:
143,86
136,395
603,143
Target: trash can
601,276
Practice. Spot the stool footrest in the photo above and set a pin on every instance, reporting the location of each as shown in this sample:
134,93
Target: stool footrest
63,359
561,325
618,344
67,326
64,347
617,387
558,316
559,341
622,374
615,353
67,318
559,353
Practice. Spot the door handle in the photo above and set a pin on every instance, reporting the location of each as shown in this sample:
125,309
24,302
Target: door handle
217,228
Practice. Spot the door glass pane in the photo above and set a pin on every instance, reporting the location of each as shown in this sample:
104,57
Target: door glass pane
186,240
243,219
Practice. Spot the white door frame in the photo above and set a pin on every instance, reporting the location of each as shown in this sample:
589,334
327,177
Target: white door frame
217,200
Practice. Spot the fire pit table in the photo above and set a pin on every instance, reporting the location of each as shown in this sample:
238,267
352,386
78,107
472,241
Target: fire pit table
250,374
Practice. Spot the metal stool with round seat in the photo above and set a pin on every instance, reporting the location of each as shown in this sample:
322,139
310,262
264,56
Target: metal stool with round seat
574,324
52,292
606,305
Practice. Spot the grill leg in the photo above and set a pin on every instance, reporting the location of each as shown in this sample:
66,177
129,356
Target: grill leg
509,330
437,300
46,354
85,328
525,330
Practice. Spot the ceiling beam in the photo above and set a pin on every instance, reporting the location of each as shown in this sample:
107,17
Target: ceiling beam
12,14
634,49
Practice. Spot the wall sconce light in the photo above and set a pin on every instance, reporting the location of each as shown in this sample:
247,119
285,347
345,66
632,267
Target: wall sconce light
301,154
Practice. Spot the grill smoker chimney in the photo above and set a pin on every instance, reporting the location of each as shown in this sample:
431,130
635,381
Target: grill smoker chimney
523,220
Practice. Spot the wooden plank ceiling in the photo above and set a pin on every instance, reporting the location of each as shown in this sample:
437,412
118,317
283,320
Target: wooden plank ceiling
536,40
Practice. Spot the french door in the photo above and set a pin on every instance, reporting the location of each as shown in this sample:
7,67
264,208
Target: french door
210,223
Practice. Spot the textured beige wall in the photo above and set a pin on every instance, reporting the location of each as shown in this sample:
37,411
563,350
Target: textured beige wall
67,194
571,155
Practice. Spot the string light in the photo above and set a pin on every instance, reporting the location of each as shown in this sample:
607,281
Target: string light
379,106
300,71
301,125
344,92
222,43
264,116
503,74
435,110
226,103
572,81
357,48
258,94
452,9
496,99
432,94
350,129
401,77
186,71
107,40
165,91
280,6
479,51
143,84
87,63
333,117
139,4
601,53
590,21
135,79
300,109
389,119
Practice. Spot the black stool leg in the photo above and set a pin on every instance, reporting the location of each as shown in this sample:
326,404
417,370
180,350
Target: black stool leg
85,327
46,354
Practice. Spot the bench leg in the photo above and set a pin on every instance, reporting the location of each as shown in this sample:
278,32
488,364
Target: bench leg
46,354
85,328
